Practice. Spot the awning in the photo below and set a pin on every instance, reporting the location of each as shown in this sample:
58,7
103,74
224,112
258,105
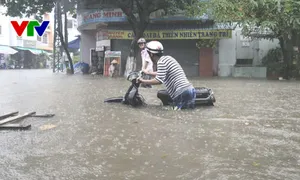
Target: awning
7,50
75,44
33,51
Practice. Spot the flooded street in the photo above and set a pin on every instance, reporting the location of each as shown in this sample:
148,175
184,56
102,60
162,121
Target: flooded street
252,132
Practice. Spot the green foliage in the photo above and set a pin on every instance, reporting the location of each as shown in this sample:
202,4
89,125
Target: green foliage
39,61
252,15
273,56
266,19
76,59
276,65
274,61
210,43
27,8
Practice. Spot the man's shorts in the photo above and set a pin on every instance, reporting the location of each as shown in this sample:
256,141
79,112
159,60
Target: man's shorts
186,100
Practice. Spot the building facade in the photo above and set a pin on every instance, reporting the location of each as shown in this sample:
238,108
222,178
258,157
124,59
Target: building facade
106,28
13,46
33,45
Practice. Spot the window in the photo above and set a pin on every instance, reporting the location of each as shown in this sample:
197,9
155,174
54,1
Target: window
38,38
244,62
45,38
0,30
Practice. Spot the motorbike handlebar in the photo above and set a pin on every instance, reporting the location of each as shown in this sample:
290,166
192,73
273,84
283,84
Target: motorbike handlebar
133,77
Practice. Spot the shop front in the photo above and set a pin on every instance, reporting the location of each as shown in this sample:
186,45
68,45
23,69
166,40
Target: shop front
181,44
94,37
108,30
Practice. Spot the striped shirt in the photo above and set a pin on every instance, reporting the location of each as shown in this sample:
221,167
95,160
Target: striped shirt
171,74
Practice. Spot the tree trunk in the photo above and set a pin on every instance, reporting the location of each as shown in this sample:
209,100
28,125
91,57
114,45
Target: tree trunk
289,55
62,40
66,43
66,50
66,27
131,59
286,45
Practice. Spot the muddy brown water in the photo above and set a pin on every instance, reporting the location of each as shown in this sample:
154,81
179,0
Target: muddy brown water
252,132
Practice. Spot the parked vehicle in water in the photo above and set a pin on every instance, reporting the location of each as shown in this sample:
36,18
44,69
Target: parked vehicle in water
204,96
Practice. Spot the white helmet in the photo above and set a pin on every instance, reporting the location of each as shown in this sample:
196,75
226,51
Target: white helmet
155,47
141,40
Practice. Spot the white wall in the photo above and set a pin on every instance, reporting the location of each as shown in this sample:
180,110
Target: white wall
216,60
5,28
227,55
88,41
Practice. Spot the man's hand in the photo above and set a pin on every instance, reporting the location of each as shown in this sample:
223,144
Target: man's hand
139,80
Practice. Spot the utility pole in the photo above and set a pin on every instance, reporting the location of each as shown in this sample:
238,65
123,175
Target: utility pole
57,51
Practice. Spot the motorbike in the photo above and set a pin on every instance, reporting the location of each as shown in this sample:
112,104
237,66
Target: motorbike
132,96
204,96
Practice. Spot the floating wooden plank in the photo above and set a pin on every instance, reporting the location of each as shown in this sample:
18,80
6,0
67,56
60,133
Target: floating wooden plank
16,118
8,115
42,115
14,127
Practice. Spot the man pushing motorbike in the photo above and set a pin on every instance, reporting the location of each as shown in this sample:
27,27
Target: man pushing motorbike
170,73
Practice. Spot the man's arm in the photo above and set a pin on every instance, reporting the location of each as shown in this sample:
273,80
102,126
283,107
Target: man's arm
160,75
151,81
151,73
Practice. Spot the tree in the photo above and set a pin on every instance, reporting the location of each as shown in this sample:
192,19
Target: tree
25,8
138,14
266,19
64,40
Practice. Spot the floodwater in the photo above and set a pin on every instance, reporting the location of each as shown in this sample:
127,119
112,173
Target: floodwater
252,132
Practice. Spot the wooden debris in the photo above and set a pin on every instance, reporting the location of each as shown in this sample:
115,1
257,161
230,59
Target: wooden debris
47,126
8,115
42,115
15,127
8,121
16,118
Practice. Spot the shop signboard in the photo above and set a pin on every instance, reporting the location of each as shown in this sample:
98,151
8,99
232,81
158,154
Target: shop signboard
98,16
102,34
112,53
174,34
